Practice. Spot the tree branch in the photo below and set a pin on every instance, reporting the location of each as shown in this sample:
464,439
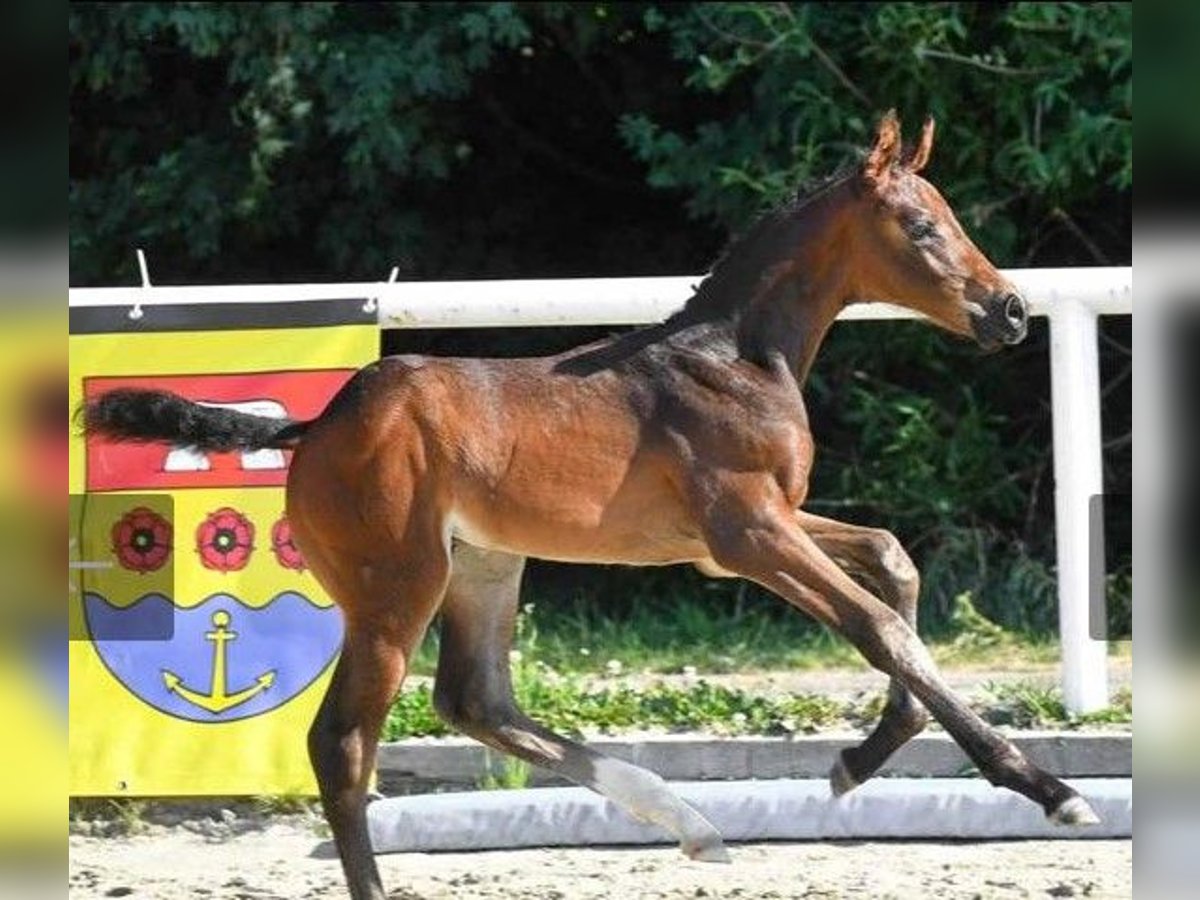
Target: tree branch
1063,216
925,52
828,61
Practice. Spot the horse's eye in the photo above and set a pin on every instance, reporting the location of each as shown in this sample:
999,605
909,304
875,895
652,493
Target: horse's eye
921,229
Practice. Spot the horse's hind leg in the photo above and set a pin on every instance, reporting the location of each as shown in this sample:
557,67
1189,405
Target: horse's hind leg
878,557
473,692
387,609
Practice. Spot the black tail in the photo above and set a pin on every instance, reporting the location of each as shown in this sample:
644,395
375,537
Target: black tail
141,416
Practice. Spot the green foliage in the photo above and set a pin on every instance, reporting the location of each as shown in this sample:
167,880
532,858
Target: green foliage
568,704
1027,705
929,457
574,700
505,773
973,629
291,118
114,816
572,707
339,128
1012,586
284,804
809,80
594,693
668,623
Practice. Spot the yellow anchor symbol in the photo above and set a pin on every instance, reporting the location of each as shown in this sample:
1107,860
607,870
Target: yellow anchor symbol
217,700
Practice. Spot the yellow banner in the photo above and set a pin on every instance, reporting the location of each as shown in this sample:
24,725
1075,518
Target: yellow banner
201,644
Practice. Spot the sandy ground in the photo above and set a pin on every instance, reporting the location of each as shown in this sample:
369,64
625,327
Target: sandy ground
276,862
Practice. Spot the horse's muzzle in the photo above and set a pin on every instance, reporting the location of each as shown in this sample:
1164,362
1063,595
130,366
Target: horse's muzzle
1006,321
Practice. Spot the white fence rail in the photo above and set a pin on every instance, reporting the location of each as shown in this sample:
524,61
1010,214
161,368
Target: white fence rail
1071,298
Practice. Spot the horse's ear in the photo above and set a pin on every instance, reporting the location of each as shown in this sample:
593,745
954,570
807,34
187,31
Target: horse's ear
919,156
886,151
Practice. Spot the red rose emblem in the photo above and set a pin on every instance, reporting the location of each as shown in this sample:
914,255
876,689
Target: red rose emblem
225,540
141,539
286,552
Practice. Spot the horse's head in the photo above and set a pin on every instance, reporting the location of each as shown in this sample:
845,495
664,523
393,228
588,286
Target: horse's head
914,252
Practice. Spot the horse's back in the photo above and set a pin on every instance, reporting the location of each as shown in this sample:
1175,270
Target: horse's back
505,454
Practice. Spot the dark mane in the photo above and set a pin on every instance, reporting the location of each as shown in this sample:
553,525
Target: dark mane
750,253
732,279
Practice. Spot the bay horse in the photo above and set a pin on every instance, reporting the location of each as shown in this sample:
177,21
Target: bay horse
427,482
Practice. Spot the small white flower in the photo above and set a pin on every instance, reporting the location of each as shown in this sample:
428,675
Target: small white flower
689,671
613,668
514,656
584,651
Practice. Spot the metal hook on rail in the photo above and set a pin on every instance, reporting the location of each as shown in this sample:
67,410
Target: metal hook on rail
137,312
372,303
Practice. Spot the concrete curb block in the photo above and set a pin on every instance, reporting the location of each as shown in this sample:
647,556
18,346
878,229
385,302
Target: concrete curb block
898,808
424,762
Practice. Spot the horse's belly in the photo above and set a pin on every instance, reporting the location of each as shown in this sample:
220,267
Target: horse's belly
646,539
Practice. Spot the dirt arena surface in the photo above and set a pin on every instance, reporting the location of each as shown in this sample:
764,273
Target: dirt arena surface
275,861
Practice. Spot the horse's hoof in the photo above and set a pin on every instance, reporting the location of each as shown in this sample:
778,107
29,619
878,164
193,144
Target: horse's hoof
713,852
372,796
840,779
1074,811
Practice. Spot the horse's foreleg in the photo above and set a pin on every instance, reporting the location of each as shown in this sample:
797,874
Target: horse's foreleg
758,537
877,556
474,693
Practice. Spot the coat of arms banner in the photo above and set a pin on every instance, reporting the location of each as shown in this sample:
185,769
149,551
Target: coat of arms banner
200,643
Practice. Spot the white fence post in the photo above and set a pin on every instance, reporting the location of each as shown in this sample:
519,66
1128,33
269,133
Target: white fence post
1078,476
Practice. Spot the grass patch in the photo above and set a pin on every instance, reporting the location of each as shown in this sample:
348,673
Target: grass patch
572,706
1026,705
120,816
755,635
285,804
666,638
565,664
566,700
569,705
973,639
507,773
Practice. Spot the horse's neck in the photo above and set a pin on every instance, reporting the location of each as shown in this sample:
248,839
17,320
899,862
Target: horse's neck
787,326
778,290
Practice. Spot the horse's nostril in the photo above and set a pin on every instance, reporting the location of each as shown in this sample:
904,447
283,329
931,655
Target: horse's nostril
1015,310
